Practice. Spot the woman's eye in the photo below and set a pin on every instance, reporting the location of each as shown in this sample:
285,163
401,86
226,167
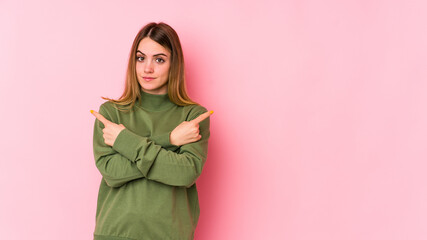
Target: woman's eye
139,59
160,60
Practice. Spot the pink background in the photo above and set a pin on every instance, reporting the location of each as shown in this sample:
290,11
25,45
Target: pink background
319,130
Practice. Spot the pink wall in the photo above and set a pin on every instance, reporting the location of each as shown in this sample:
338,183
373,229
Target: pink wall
319,129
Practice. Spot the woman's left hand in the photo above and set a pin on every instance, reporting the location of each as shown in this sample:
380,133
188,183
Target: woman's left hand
111,130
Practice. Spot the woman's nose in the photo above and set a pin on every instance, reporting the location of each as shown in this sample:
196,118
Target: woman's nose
148,68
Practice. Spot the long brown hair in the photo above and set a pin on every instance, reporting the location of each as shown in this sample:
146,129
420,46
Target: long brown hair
166,36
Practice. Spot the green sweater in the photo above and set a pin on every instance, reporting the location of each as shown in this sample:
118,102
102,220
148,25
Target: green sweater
148,188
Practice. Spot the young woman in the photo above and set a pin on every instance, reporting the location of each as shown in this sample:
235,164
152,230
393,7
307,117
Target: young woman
150,146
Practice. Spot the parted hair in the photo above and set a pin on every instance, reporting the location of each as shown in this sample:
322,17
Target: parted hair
166,36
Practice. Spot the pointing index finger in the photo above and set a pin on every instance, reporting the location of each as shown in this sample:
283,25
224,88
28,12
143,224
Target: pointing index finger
100,117
202,117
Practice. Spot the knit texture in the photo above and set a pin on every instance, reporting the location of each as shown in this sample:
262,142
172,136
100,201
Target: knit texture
148,188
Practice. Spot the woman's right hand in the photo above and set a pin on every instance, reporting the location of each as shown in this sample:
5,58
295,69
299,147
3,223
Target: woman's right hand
188,131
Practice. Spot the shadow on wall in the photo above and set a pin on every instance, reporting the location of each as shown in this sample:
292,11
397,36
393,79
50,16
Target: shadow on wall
209,187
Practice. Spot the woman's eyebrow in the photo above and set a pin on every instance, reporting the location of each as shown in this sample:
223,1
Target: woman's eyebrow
158,54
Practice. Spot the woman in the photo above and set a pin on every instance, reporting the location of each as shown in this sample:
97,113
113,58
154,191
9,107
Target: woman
150,146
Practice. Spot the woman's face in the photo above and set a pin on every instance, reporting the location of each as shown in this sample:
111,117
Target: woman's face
152,66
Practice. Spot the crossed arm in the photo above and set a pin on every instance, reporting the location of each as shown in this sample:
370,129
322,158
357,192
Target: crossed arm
122,156
186,132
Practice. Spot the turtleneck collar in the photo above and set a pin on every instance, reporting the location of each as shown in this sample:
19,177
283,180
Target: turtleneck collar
154,102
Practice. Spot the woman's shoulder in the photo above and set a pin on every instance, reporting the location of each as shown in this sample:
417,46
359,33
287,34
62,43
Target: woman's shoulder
195,107
112,106
110,110
107,106
193,111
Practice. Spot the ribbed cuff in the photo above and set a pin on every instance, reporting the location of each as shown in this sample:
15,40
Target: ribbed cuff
140,150
164,141
127,144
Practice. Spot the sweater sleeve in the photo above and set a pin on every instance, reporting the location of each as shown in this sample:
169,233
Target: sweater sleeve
181,168
115,168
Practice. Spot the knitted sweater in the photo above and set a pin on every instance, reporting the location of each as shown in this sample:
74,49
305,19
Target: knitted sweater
148,188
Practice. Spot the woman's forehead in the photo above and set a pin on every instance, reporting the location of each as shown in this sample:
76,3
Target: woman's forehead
148,46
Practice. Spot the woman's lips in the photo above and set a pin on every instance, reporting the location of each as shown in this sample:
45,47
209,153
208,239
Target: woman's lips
148,78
